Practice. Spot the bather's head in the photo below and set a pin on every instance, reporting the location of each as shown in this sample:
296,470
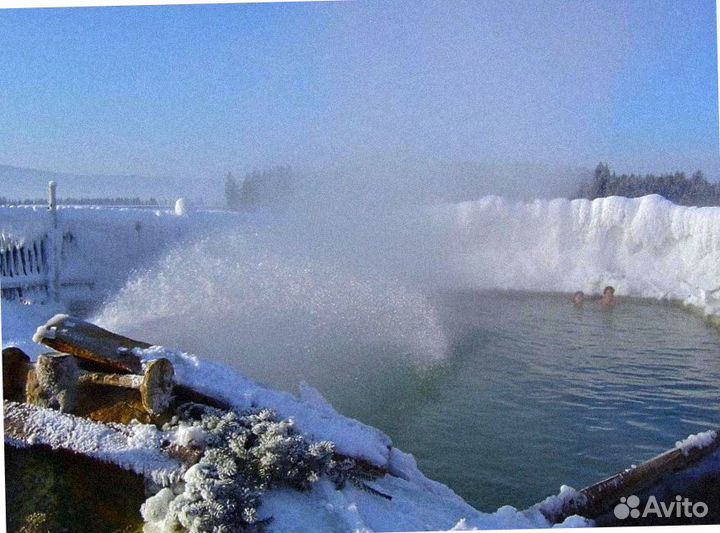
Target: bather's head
608,297
579,298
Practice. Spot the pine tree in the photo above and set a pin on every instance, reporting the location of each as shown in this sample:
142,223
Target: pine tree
601,181
232,192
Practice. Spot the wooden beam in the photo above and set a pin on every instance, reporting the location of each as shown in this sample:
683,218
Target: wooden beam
28,426
91,343
108,351
601,497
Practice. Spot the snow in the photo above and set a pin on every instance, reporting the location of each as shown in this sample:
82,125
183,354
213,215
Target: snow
698,440
189,435
412,508
134,447
47,330
154,510
645,247
553,506
315,418
181,207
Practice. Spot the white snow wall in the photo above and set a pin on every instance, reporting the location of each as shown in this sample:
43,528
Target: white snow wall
646,247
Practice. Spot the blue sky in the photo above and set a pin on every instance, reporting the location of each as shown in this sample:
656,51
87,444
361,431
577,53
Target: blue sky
195,91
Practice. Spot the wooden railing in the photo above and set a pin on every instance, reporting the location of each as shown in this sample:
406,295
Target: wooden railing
25,266
30,264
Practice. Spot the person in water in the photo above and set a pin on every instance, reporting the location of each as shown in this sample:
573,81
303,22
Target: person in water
608,297
578,298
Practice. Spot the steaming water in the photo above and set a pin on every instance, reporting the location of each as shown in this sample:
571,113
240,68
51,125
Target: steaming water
537,393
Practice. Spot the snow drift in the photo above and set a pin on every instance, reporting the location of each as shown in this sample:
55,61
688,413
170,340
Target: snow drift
645,247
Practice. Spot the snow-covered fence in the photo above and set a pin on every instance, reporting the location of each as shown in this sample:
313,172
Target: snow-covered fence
28,263
24,266
82,253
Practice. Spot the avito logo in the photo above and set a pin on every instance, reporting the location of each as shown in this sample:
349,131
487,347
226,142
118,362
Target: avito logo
680,508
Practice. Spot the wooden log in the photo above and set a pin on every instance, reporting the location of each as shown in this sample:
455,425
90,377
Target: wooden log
16,366
601,497
108,351
92,343
61,384
29,426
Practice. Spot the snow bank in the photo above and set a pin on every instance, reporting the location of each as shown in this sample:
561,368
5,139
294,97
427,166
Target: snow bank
412,508
645,247
313,416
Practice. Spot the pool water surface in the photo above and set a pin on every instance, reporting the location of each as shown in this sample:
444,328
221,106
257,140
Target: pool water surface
536,393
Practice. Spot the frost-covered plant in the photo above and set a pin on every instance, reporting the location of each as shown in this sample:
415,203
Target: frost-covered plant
246,454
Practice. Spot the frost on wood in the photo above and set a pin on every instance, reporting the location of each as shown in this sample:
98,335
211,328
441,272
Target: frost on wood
135,447
699,440
246,454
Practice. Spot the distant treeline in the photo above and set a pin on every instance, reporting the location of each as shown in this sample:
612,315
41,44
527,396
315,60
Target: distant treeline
259,188
120,201
677,187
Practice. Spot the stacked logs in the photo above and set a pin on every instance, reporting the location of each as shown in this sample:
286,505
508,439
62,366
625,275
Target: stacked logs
93,374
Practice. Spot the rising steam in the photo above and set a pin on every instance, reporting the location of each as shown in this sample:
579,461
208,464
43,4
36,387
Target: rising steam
275,314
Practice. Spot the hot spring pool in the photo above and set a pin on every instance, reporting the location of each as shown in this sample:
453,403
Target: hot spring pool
536,393
528,392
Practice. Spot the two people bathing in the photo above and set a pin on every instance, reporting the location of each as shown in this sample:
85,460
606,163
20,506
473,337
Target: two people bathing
607,300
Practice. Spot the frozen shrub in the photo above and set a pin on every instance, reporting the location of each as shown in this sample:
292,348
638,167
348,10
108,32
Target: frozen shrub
246,454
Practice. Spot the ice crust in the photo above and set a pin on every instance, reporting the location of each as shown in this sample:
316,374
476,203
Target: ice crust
135,447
